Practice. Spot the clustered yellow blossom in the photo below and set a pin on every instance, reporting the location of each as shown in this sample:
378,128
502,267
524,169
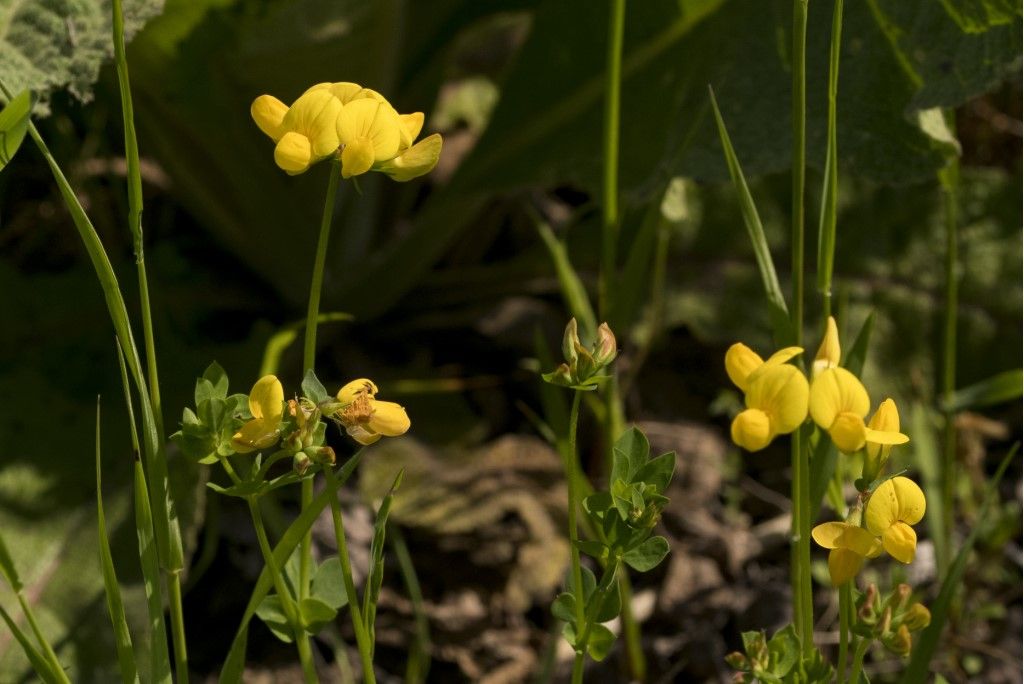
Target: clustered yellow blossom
366,418
266,404
353,124
779,398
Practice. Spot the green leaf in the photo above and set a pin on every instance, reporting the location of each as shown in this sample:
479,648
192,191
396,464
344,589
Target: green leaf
646,556
858,352
658,471
328,583
997,389
769,279
600,642
218,379
564,607
784,648
376,577
13,125
611,605
160,662
48,45
315,614
273,616
313,389
573,292
112,589
629,454
7,568
592,548
39,663
830,181
927,643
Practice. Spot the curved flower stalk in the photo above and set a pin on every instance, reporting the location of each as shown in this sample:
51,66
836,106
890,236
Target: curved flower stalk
366,418
893,507
355,125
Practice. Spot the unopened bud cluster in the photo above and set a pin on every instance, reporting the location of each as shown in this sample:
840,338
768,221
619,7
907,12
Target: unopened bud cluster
891,620
582,367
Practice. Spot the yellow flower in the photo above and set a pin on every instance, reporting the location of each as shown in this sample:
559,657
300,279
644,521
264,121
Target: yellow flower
829,352
266,404
305,133
838,404
893,507
741,361
776,399
366,418
849,545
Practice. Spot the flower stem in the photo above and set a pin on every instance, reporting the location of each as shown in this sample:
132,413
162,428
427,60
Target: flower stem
48,652
950,177
845,609
610,572
362,635
287,603
610,204
574,552
799,162
858,660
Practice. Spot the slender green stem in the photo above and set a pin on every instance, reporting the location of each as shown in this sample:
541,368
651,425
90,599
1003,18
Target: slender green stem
573,487
950,177
830,190
419,657
801,549
610,208
799,162
177,626
631,631
283,593
316,286
600,593
845,614
362,634
48,652
858,660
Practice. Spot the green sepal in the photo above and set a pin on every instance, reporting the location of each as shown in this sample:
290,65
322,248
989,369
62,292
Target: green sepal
313,389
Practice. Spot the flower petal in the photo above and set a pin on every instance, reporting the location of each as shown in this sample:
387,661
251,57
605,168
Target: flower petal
352,390
268,113
374,120
356,157
896,500
752,430
388,419
900,541
266,400
293,153
362,435
829,351
419,159
314,115
827,535
843,565
834,391
781,392
784,355
740,362
412,124
255,435
848,432
911,500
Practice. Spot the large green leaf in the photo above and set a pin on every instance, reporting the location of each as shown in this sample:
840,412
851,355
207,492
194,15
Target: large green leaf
51,44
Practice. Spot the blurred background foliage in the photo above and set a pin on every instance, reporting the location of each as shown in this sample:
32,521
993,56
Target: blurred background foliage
448,280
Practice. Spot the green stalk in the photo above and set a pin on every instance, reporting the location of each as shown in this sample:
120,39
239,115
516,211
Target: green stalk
858,660
287,603
803,605
610,208
134,176
830,190
419,657
574,551
950,177
362,634
309,361
799,163
48,652
845,613
600,592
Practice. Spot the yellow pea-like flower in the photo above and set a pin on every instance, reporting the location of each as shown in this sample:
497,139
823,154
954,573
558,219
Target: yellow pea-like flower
304,133
741,361
838,404
776,400
266,404
369,131
893,507
366,418
848,546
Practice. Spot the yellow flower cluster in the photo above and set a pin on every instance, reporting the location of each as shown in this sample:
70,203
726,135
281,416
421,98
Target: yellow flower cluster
365,418
357,125
779,398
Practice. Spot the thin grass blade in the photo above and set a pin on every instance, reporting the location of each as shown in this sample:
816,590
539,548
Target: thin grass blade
38,661
830,186
781,325
924,649
573,291
115,604
418,666
1005,386
376,578
13,125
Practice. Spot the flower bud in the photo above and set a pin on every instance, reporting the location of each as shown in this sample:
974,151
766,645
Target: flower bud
301,462
605,348
917,618
570,342
900,642
829,351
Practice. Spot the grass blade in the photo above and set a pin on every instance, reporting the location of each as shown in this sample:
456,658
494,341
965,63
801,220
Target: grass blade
115,605
830,188
921,656
376,578
39,663
418,665
234,664
13,125
781,324
283,338
573,291
1001,387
